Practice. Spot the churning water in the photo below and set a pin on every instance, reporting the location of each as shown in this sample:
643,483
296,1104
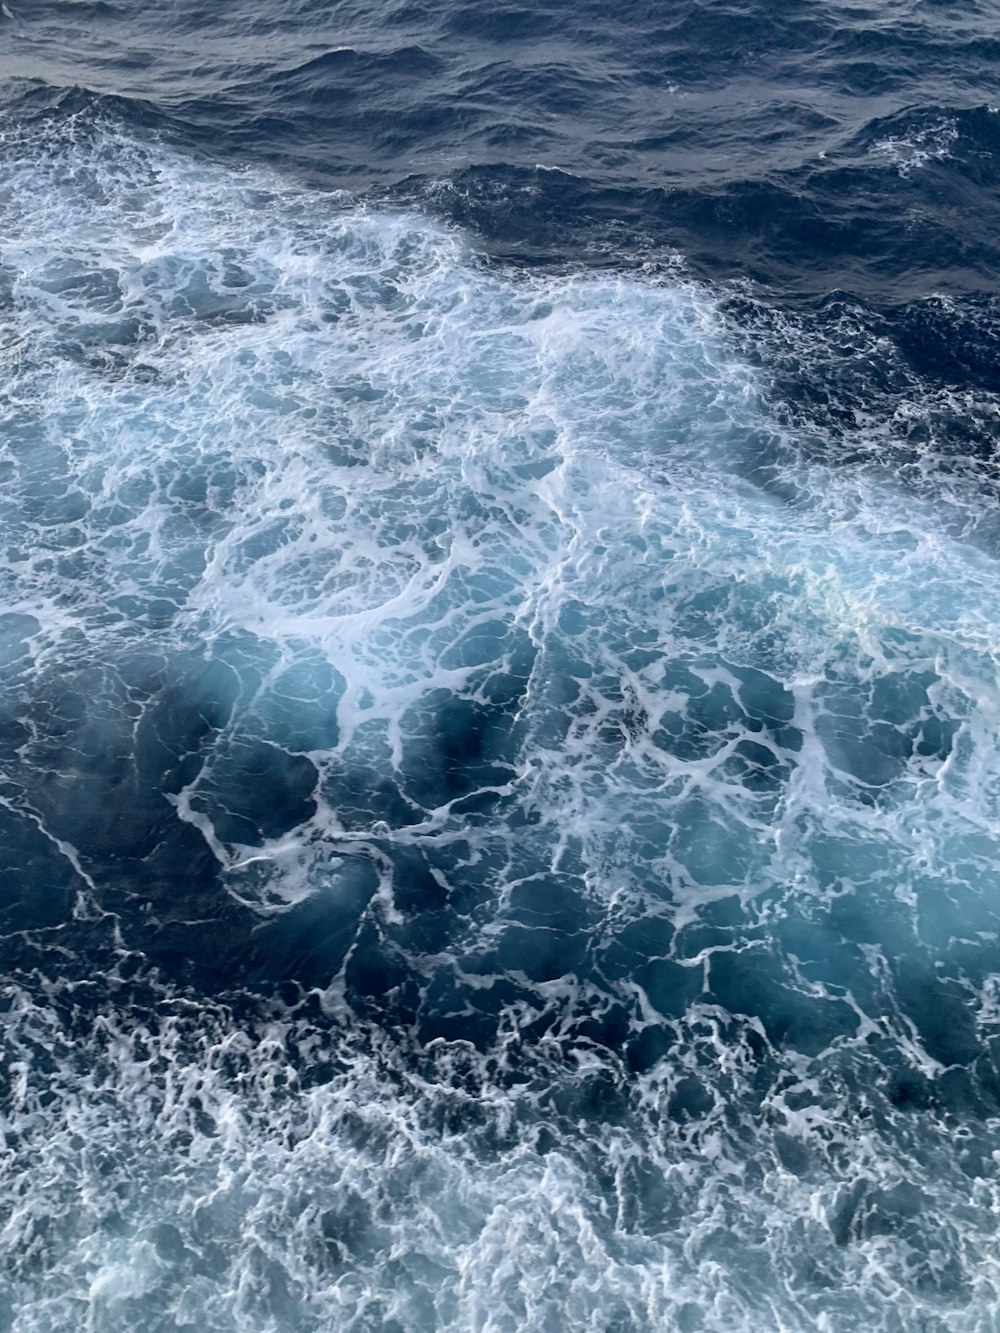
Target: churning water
500,773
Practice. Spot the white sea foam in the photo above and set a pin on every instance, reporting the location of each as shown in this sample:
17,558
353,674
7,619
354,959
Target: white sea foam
753,726
909,152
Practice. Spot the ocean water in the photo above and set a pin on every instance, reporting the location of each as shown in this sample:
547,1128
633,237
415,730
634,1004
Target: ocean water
499,696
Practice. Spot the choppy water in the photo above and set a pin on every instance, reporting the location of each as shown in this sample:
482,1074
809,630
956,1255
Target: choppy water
500,772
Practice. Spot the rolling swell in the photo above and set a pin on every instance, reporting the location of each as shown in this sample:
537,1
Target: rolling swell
510,859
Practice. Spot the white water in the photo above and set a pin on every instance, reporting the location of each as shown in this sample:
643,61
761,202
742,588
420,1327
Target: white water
732,774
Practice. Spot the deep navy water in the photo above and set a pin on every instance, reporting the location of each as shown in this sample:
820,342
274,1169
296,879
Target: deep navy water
499,645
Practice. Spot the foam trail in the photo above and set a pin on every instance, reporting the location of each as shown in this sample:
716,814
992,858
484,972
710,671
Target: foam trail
538,875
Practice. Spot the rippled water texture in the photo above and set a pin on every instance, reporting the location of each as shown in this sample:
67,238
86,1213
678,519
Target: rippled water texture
816,146
500,770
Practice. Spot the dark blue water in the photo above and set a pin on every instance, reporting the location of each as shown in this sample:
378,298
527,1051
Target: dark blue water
499,642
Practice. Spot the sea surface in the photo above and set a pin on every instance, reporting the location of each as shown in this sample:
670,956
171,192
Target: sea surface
500,666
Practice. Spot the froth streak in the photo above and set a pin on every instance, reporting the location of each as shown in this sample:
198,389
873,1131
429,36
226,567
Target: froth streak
475,859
